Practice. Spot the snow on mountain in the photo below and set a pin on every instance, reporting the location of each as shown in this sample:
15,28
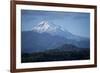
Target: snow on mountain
47,27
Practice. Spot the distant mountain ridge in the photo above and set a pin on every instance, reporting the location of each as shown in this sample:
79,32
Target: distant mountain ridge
45,36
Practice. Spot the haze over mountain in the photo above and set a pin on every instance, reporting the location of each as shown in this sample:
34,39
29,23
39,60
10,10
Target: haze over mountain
46,35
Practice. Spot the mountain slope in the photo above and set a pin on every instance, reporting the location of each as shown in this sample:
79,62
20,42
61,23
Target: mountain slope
32,41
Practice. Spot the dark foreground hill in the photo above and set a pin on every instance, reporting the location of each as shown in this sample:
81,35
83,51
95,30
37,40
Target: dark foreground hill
62,53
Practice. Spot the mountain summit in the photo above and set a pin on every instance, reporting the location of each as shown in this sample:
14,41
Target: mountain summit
45,26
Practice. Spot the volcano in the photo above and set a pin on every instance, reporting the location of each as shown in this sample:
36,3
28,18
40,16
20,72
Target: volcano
46,35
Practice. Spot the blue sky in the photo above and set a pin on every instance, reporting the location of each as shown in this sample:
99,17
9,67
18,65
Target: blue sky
75,22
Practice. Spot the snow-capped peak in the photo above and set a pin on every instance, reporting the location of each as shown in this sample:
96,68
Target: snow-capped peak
45,26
